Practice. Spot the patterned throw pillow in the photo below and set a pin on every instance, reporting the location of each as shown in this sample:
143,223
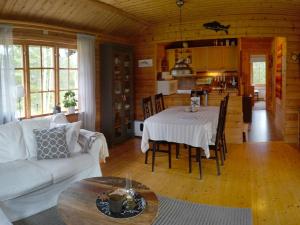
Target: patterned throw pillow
51,143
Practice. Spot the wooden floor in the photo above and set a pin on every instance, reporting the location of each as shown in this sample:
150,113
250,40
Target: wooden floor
262,176
263,127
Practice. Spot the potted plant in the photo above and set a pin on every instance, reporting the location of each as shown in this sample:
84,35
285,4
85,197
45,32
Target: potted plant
69,101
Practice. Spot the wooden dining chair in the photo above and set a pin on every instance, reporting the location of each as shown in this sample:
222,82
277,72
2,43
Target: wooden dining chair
159,102
147,107
223,138
216,147
148,111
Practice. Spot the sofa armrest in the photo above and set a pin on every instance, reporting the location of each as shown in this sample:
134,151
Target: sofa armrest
93,143
3,219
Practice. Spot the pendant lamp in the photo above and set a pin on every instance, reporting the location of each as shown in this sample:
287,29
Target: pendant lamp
181,68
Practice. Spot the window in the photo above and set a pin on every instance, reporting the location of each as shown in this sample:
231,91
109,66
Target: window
68,73
50,72
19,74
259,72
42,83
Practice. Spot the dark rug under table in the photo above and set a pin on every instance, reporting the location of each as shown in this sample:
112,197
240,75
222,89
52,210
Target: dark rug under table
171,212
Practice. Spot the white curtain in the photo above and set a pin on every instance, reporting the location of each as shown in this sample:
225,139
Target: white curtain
87,102
7,76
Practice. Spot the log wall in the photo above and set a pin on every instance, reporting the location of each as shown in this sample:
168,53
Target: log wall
252,25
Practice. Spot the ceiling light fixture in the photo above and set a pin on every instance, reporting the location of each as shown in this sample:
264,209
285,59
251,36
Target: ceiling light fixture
181,68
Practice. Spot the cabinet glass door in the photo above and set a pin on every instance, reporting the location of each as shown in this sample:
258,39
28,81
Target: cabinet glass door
128,107
117,96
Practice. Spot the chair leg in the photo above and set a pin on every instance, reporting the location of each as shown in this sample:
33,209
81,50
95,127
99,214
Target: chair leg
190,159
200,164
223,148
170,155
217,162
177,151
153,155
146,156
220,149
225,145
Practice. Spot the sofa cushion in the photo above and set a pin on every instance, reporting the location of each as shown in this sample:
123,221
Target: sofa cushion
72,133
59,118
12,146
28,126
51,143
62,169
21,177
4,220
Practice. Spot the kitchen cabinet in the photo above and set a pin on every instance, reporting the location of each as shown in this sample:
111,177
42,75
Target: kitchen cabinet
117,108
200,58
210,58
230,58
214,58
171,58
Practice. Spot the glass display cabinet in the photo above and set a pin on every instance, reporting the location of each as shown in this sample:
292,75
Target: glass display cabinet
117,111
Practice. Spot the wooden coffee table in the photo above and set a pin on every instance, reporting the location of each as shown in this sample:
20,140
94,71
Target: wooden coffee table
77,204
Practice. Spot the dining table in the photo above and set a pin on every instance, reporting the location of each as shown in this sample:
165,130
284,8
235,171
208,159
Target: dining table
179,125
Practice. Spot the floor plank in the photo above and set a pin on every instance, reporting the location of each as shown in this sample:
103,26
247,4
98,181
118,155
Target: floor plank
262,176
263,127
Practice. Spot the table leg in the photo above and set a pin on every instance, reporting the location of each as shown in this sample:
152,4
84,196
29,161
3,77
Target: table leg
190,159
153,156
177,151
170,155
200,164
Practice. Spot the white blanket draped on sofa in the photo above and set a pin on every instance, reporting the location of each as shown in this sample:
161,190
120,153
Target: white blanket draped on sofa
29,186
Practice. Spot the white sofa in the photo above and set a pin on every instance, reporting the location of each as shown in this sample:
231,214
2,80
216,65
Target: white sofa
29,186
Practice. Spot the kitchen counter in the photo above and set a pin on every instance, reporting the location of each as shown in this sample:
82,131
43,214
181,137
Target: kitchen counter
231,91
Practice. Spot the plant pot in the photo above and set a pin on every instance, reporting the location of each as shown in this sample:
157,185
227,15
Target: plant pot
71,110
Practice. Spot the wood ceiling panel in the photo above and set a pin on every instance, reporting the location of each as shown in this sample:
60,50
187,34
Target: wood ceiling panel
81,14
167,12
129,17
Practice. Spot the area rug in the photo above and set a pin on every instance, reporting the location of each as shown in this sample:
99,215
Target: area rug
171,212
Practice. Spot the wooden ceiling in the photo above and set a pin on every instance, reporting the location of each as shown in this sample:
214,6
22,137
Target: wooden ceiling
166,11
129,17
89,15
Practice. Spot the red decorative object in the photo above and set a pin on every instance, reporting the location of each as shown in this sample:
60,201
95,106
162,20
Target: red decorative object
278,77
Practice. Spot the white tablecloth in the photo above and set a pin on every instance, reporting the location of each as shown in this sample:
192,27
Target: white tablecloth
174,124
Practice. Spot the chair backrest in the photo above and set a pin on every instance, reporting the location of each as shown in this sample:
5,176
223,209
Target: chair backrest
226,99
147,107
159,102
221,124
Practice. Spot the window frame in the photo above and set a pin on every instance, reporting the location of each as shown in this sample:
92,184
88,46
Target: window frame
24,78
68,69
26,72
42,91
253,73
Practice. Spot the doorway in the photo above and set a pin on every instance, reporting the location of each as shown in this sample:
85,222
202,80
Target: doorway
258,80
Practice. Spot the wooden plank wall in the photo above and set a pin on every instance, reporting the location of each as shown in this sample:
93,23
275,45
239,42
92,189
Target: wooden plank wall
252,25
145,78
291,91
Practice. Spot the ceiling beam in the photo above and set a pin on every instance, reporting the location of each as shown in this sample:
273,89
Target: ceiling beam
59,29
119,11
